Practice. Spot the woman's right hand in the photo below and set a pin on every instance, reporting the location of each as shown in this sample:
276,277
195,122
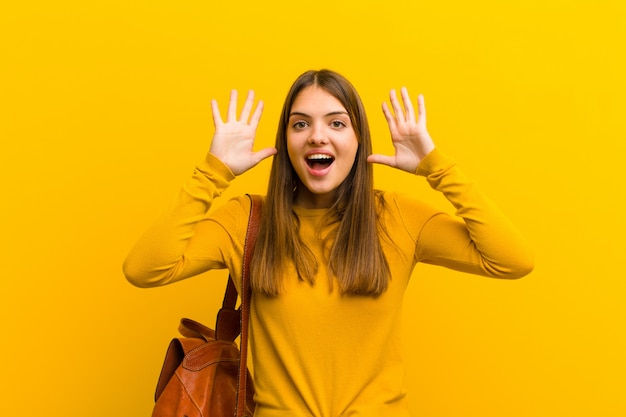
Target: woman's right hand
233,141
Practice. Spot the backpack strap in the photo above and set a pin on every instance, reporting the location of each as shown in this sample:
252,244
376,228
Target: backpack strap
254,225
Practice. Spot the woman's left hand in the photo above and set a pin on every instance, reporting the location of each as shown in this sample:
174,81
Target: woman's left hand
408,133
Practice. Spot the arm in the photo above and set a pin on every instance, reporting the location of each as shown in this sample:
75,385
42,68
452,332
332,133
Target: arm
184,242
481,240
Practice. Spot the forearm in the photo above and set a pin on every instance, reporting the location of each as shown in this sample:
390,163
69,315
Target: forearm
488,244
160,256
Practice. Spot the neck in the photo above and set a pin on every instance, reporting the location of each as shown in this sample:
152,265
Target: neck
308,200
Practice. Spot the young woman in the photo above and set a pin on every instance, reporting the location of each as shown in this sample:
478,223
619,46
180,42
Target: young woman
334,256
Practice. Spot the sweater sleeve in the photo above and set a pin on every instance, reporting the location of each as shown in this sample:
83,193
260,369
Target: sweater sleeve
481,240
184,241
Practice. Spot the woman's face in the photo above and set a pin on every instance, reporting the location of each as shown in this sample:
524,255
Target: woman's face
322,146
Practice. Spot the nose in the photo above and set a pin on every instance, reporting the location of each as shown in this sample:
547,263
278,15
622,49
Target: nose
317,136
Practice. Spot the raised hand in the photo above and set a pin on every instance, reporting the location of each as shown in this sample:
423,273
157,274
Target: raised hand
233,141
408,133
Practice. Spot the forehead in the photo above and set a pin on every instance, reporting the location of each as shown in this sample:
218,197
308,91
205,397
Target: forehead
316,98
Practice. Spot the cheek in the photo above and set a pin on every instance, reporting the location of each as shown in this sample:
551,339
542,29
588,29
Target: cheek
294,154
291,150
355,148
296,142
352,148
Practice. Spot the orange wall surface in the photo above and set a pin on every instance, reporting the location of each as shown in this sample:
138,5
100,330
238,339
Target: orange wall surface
105,110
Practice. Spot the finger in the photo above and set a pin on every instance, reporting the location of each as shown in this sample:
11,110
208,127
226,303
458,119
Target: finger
256,116
232,106
395,103
215,109
408,106
382,159
247,107
390,119
421,109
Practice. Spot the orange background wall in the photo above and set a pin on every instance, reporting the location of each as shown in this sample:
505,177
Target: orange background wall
104,111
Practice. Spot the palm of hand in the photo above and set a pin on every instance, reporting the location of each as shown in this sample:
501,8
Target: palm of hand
233,145
233,141
409,135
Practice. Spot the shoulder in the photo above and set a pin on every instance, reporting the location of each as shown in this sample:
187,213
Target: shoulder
233,215
394,202
400,210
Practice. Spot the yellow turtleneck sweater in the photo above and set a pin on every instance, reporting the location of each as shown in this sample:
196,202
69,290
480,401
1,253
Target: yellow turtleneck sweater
314,352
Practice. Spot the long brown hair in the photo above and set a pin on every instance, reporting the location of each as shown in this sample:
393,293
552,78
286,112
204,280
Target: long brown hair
356,259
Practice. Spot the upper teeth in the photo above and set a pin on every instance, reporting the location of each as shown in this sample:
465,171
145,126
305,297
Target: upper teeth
320,156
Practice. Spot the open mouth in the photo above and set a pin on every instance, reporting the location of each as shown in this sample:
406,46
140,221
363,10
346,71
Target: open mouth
319,161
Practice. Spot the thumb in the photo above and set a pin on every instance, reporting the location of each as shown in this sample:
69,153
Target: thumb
263,154
382,159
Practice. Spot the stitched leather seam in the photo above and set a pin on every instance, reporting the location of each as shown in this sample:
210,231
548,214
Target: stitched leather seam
189,395
207,364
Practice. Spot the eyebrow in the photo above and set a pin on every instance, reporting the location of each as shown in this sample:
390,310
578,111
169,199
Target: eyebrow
332,113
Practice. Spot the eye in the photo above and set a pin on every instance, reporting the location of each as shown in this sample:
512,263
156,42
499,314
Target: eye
301,124
337,124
